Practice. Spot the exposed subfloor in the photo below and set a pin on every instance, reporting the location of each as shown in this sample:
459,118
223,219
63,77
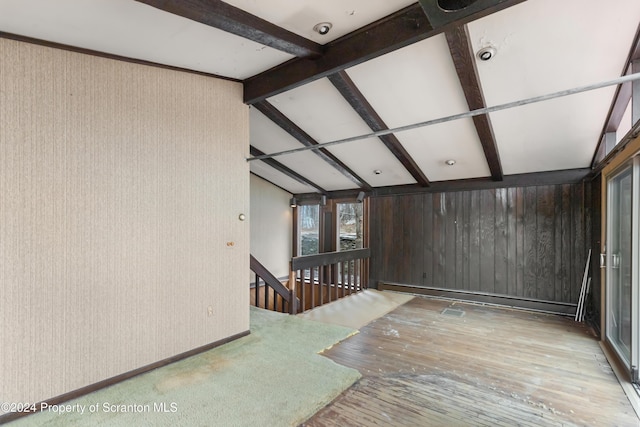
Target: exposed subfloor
485,367
357,310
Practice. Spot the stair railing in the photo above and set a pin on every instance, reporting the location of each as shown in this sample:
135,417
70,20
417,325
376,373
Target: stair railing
322,278
287,300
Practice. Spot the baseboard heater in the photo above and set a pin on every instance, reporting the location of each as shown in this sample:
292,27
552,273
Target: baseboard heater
552,307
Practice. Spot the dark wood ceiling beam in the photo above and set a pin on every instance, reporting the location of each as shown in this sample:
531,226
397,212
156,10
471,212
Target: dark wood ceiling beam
218,14
465,64
287,171
397,30
620,100
400,29
567,176
358,102
276,116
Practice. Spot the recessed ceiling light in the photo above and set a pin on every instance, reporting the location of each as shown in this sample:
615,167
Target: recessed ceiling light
486,53
323,28
450,162
377,172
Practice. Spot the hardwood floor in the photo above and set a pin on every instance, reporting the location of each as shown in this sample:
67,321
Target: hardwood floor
488,367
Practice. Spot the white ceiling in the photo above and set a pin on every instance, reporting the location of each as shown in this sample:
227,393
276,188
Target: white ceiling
546,46
543,46
134,30
300,16
267,137
314,105
424,87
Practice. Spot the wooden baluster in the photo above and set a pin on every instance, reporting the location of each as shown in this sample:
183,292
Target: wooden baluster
329,281
275,301
266,296
311,283
292,291
257,289
365,274
321,283
334,280
302,291
347,278
292,302
351,272
342,283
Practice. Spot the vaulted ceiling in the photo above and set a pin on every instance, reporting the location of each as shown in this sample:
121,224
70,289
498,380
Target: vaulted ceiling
383,65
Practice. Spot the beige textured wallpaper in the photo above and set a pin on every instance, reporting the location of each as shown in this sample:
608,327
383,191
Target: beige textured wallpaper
120,190
271,227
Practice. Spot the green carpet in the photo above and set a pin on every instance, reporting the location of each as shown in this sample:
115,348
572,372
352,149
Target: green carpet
272,377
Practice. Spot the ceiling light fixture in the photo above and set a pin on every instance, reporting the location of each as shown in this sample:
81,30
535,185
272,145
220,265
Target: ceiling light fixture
454,5
292,202
450,162
377,171
323,28
486,53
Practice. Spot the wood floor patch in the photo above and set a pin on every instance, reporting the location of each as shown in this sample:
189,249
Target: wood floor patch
491,367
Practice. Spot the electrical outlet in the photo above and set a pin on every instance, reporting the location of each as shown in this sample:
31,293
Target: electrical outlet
210,311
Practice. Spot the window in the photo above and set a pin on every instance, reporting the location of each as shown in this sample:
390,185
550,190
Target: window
334,226
350,226
308,229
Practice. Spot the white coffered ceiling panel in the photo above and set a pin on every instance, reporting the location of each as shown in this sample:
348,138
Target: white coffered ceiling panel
278,178
268,137
321,111
301,16
554,135
545,46
413,84
420,83
432,146
367,156
135,30
316,105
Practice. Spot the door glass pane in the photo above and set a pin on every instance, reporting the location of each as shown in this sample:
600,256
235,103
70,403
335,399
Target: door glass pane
619,263
349,226
349,238
309,229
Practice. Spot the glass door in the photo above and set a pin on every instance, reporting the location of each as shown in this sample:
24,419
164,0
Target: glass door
350,222
619,263
308,230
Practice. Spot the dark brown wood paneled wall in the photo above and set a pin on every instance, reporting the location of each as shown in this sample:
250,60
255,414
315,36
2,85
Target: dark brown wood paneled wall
528,242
